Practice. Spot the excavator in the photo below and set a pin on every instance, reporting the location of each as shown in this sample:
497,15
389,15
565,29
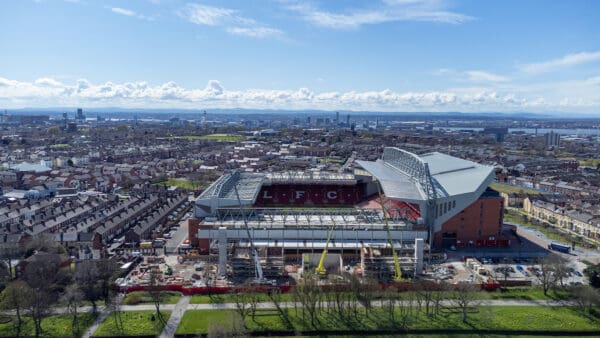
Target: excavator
320,269
398,271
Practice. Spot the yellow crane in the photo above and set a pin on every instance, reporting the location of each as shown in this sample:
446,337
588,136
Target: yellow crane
398,271
320,270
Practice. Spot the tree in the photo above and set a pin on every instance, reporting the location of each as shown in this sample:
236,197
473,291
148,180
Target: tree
242,306
44,277
53,131
426,294
561,268
107,271
593,274
546,276
308,293
464,298
73,297
16,297
586,297
43,243
553,269
87,278
156,293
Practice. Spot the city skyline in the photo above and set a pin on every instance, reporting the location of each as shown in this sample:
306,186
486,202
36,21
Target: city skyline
405,55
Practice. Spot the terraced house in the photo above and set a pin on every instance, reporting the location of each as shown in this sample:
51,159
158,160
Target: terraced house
579,223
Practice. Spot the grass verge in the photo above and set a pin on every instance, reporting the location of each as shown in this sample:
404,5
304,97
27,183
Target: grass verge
509,189
133,323
52,326
143,297
510,318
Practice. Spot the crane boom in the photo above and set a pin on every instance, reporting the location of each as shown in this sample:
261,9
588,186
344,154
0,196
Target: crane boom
398,270
258,267
320,268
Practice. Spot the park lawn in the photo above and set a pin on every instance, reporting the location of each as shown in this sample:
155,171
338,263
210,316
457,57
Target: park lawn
499,317
52,326
134,323
183,183
499,187
143,297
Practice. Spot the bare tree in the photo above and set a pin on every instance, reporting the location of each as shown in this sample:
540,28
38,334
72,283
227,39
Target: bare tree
156,293
113,304
46,279
242,306
87,278
425,295
73,297
553,269
586,297
389,304
16,297
464,298
309,294
107,271
439,296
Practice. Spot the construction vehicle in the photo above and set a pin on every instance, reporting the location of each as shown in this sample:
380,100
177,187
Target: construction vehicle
320,269
397,270
190,255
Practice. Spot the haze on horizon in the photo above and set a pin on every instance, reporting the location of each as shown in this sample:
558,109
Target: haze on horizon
385,55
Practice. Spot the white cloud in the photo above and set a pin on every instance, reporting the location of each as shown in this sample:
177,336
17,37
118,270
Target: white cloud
208,15
122,11
130,13
229,19
571,96
388,11
566,61
255,32
482,76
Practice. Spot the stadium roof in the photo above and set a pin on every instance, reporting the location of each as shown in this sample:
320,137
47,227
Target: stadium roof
432,176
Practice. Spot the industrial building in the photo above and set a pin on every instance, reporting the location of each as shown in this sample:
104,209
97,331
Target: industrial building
290,218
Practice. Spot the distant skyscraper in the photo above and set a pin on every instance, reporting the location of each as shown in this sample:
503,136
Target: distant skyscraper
348,120
337,118
552,139
80,115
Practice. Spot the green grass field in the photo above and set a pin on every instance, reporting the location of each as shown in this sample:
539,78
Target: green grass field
183,183
215,137
500,317
143,297
53,326
509,189
134,323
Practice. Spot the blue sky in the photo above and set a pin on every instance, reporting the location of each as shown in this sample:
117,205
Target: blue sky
386,55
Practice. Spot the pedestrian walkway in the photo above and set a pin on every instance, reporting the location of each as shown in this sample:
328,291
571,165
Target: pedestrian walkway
90,331
176,315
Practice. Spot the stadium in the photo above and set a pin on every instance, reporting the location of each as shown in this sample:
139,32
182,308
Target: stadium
335,222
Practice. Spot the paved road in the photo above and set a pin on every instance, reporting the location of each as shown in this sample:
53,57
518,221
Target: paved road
178,237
